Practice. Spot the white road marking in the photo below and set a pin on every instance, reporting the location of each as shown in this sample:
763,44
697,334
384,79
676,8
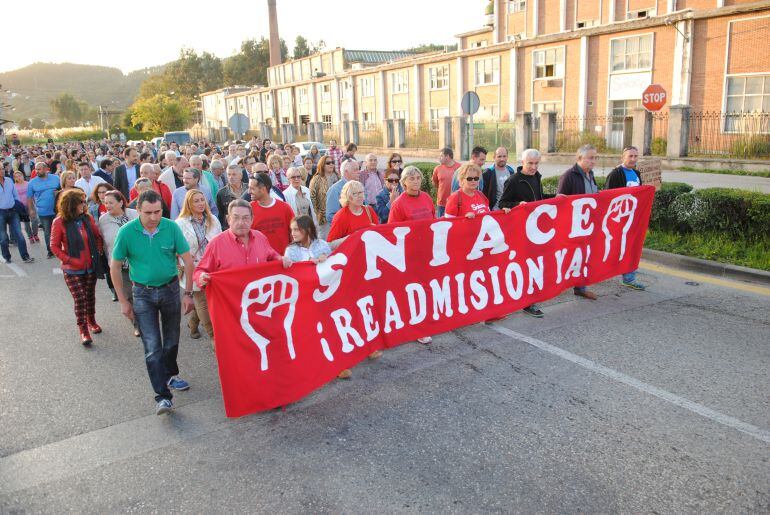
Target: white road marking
57,271
20,272
721,418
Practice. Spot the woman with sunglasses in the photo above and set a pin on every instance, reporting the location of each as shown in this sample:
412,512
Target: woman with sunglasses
388,195
395,161
76,241
468,201
298,195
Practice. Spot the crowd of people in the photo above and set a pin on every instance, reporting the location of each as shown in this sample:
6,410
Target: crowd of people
156,223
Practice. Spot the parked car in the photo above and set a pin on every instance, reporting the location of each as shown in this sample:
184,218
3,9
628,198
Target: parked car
304,147
178,137
157,141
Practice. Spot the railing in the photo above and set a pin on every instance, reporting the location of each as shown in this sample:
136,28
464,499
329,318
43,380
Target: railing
370,135
606,133
331,132
737,135
420,135
659,133
494,135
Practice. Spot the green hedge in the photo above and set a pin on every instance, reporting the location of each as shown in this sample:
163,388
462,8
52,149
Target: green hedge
550,184
427,175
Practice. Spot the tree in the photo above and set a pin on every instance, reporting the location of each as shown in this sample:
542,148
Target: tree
193,74
67,109
156,85
25,123
38,123
249,66
162,113
302,48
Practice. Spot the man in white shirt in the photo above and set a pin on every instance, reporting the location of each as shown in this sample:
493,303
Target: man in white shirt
87,180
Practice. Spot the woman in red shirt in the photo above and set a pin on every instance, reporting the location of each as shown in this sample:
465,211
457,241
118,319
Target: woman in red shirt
353,216
468,201
76,241
412,204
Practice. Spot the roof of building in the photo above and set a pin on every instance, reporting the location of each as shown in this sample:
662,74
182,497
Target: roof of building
375,56
474,32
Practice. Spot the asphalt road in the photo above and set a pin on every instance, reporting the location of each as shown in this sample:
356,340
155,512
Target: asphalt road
655,401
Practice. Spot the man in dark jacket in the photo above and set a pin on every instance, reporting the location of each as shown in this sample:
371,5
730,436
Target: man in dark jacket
579,180
494,178
522,187
624,176
127,173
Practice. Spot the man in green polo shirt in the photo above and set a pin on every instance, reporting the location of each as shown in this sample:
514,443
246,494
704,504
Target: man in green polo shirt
150,244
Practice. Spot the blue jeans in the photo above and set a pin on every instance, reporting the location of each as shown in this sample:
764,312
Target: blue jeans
629,277
10,218
440,210
46,221
157,312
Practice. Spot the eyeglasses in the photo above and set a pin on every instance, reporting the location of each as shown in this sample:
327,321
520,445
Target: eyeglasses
295,177
392,181
472,178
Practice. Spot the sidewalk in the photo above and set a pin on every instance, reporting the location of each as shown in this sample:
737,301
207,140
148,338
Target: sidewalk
697,180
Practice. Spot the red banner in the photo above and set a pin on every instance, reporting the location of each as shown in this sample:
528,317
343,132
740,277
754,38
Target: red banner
282,333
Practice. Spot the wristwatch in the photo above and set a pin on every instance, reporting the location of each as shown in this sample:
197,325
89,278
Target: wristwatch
188,293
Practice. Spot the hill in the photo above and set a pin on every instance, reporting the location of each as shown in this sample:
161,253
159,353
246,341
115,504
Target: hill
34,85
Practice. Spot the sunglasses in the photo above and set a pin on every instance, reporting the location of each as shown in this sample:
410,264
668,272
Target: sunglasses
392,181
396,161
473,179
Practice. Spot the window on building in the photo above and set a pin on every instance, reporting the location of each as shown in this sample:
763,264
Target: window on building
367,121
746,95
367,87
436,115
517,6
400,81
326,92
487,71
285,119
632,53
344,90
619,110
401,115
327,120
641,13
285,98
478,44
439,77
302,95
549,63
584,24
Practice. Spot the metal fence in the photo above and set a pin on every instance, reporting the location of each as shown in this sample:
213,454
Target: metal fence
659,133
494,135
606,133
370,135
331,132
420,135
737,135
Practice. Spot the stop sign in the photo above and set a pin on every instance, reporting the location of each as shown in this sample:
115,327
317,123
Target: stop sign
654,97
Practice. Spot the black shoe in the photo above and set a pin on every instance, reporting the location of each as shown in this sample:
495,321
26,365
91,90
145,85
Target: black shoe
28,259
534,311
50,255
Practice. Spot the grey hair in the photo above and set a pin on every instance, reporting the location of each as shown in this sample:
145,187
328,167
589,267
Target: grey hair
530,153
345,194
239,202
585,149
170,154
409,171
348,164
142,183
216,163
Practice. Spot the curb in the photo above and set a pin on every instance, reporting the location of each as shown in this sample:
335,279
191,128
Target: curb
704,266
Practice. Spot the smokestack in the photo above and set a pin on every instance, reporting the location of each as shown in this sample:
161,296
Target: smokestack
275,41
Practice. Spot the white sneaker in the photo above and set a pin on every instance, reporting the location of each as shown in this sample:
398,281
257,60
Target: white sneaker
425,340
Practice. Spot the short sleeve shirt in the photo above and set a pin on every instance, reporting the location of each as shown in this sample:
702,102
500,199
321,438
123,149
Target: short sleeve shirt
152,258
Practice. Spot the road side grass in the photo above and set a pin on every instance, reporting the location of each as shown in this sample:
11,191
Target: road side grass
760,173
714,246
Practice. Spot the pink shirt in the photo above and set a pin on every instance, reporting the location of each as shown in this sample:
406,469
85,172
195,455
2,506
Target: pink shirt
227,251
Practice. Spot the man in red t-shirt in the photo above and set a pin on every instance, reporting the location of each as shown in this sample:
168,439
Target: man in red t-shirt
442,178
271,217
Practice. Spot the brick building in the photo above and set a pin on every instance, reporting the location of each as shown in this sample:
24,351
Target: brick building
580,58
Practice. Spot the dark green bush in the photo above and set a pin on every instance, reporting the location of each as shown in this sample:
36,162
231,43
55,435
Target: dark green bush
735,212
662,215
659,146
550,184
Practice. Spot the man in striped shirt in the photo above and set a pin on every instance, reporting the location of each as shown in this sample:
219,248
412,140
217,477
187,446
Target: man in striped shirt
335,154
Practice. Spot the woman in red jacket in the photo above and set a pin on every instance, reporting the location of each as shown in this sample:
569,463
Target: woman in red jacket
76,241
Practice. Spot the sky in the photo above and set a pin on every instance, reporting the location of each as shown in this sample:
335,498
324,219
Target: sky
77,31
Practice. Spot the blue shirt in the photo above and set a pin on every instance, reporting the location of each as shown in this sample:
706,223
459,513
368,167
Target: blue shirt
42,192
8,195
131,174
333,199
177,201
632,179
